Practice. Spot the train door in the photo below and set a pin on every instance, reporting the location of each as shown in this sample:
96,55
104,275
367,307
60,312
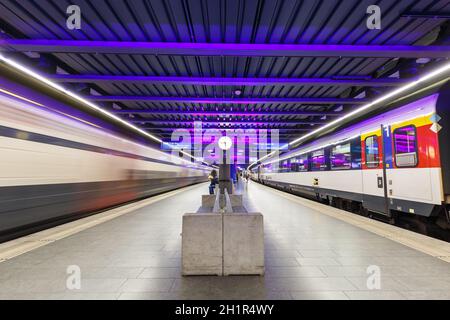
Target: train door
413,182
374,158
387,164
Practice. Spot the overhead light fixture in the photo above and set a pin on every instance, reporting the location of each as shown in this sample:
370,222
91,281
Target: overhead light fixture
88,103
433,74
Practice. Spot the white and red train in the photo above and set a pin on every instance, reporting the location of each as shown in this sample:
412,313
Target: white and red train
394,162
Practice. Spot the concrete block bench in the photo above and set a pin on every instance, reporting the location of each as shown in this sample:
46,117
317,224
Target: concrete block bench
215,243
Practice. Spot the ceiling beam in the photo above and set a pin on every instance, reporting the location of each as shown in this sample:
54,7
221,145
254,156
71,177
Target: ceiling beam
224,122
225,49
190,128
227,100
168,136
228,112
228,81
426,15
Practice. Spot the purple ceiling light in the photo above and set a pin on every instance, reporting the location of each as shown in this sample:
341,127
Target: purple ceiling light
225,49
229,100
228,121
233,127
227,112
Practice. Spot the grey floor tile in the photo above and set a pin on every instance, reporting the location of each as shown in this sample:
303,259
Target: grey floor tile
110,272
319,295
147,262
274,254
369,260
362,271
426,295
232,287
146,296
375,295
82,296
309,284
425,283
386,283
281,262
320,261
42,273
424,271
32,286
98,285
308,255
147,285
308,271
160,273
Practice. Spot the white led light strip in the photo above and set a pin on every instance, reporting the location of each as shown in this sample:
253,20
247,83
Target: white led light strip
82,100
442,70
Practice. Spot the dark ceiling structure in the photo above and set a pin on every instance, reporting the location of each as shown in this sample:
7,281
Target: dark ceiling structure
290,65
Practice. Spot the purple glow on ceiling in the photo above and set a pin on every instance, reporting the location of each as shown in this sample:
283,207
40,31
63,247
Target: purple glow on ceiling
229,113
226,49
231,122
228,100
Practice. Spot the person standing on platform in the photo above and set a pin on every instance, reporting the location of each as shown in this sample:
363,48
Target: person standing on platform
213,181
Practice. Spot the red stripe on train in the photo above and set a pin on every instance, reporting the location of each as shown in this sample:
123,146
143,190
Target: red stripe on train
427,149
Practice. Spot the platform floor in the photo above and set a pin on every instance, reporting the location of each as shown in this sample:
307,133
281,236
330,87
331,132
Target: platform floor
309,255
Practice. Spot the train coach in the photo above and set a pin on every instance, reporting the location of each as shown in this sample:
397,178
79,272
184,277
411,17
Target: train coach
55,168
393,164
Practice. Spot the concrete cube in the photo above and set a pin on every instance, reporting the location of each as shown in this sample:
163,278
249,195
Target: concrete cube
202,244
243,244
208,200
236,200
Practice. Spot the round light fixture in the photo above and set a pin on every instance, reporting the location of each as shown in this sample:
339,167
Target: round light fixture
224,142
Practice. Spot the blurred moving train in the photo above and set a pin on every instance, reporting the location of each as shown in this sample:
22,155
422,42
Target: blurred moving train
54,168
392,164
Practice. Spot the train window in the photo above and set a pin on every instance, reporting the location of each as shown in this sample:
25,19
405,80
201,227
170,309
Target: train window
299,164
372,153
294,165
267,168
302,162
285,166
341,157
318,161
405,143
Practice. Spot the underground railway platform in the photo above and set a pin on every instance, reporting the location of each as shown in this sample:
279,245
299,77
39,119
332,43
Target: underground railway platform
225,158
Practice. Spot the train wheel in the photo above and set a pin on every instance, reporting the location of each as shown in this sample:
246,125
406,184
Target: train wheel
363,211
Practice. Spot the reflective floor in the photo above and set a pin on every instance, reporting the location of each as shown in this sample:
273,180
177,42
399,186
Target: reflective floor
309,255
